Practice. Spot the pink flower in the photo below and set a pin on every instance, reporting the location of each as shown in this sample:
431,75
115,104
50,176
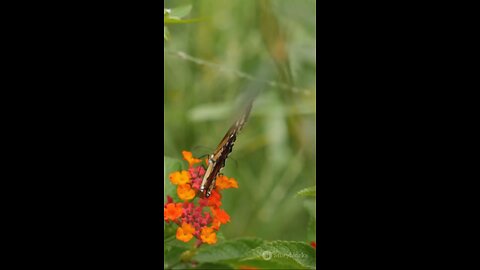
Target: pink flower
196,175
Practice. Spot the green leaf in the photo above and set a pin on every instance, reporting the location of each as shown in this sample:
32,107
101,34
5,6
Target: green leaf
166,34
268,264
171,165
172,255
169,230
183,266
220,238
180,12
312,230
310,205
283,255
207,112
214,266
308,192
174,242
228,251
170,20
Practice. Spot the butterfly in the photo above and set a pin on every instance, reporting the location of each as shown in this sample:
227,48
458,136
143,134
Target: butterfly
216,161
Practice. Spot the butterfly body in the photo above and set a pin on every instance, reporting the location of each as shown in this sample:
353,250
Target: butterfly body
216,161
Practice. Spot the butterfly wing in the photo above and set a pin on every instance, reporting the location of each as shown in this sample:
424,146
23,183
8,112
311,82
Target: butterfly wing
216,163
217,160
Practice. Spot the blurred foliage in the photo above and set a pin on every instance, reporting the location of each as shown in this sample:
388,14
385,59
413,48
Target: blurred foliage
274,156
308,192
174,16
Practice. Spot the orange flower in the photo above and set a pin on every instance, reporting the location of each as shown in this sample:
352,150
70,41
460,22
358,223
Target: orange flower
180,178
185,192
224,182
193,221
214,199
185,233
190,159
220,215
208,236
216,224
172,211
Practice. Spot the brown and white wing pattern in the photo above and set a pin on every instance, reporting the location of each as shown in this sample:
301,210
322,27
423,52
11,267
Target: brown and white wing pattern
216,161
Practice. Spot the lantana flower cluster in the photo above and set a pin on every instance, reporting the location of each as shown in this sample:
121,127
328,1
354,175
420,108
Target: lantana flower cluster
196,216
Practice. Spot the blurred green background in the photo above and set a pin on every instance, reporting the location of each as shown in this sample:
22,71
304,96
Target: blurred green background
274,156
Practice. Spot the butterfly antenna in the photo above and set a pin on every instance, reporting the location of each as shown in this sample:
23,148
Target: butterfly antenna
203,156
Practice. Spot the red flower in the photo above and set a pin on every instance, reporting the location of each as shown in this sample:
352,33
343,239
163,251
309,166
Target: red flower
196,175
195,221
246,267
172,211
220,215
214,200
